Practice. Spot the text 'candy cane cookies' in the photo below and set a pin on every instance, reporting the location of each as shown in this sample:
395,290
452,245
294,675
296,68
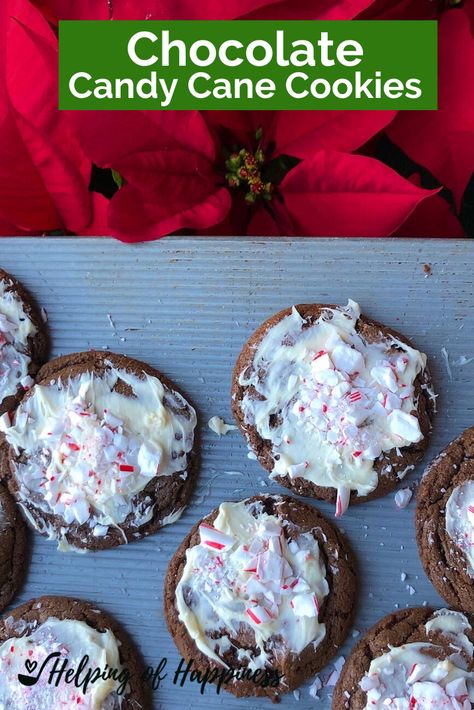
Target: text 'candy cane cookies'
334,405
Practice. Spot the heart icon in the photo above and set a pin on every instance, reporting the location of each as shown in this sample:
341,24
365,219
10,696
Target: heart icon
31,665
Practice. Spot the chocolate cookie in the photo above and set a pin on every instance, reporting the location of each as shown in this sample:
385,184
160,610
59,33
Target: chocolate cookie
44,626
101,451
445,522
23,341
334,405
13,553
263,589
401,663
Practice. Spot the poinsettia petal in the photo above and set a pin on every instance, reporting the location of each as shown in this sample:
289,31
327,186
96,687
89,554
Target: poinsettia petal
302,133
148,9
24,200
167,191
443,140
151,223
401,10
263,224
99,224
7,229
336,194
315,10
110,136
74,9
431,218
48,138
65,185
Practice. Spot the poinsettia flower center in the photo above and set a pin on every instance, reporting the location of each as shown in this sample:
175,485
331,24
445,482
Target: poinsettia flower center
244,171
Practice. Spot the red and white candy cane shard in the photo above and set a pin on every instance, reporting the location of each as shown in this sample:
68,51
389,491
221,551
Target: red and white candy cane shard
274,544
470,514
299,585
322,361
305,605
342,501
417,671
259,614
214,538
126,468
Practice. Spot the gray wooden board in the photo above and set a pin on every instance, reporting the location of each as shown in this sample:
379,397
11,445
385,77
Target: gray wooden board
186,306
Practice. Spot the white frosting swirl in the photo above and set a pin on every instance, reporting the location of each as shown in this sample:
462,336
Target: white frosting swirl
15,329
460,521
419,675
330,401
251,572
73,639
89,451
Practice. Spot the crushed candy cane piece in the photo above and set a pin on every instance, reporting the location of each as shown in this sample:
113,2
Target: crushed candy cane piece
259,614
404,425
342,501
403,497
214,538
305,605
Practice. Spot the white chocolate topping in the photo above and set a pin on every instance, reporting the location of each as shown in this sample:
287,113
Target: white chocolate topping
330,402
460,521
218,425
92,450
15,329
73,640
254,572
419,676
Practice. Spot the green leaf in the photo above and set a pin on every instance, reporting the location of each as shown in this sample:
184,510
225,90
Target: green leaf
118,179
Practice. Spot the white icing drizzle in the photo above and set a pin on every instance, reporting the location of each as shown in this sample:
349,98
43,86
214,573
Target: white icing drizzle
460,521
330,402
73,639
15,329
414,677
218,426
172,517
91,450
251,572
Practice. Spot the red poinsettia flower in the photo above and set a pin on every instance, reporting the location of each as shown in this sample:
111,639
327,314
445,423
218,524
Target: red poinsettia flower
44,173
246,172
